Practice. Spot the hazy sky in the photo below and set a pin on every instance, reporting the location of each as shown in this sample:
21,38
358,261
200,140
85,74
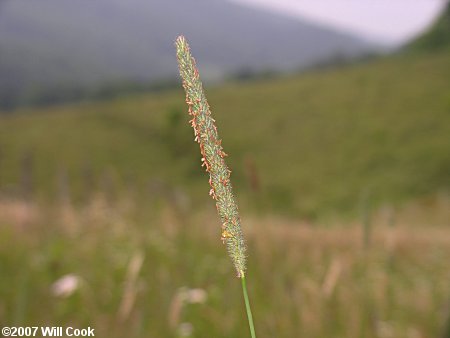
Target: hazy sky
391,21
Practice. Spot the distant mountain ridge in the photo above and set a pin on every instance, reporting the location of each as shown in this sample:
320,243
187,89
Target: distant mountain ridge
63,43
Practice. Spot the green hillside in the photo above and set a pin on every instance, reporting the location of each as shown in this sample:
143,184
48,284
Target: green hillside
308,144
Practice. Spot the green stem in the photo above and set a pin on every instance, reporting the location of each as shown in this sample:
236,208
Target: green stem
247,307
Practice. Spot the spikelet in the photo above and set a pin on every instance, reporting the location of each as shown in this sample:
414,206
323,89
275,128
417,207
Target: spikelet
213,156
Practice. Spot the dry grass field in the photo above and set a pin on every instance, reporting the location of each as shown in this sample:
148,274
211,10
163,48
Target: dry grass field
127,270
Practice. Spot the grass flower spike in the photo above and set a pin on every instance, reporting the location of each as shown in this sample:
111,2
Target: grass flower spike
213,160
212,156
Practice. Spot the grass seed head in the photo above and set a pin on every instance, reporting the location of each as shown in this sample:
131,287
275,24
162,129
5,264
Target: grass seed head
205,133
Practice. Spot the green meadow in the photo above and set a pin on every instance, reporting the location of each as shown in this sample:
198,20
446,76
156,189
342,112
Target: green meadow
308,144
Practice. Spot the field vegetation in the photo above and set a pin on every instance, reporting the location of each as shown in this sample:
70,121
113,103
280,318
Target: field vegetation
342,178
127,271
308,145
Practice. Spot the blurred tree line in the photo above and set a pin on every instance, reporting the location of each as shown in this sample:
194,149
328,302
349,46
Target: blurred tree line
18,95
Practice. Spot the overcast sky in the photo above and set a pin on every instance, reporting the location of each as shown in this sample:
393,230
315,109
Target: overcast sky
389,21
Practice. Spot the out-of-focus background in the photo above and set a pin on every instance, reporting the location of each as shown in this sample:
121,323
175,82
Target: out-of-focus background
336,117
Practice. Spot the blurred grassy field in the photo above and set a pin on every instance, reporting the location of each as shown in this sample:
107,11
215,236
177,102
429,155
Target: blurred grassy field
111,196
144,274
308,145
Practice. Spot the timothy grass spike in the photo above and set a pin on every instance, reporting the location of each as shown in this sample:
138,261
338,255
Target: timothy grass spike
212,156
